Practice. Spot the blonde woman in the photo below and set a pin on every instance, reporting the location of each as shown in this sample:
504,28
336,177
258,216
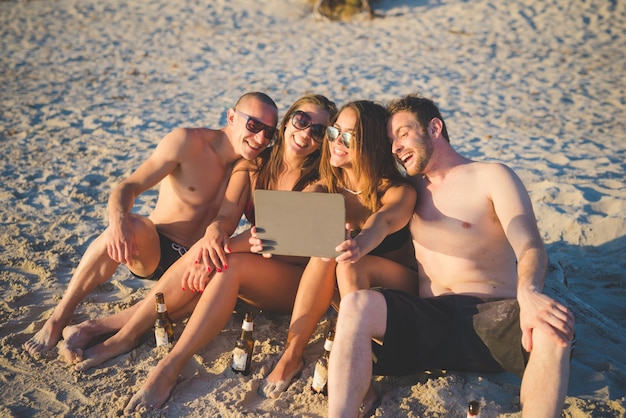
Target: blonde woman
356,162
202,281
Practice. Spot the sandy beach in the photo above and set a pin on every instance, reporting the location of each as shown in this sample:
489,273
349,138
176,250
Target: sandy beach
88,89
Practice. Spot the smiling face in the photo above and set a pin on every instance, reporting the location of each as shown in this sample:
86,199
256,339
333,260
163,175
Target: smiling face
340,155
301,141
410,143
252,109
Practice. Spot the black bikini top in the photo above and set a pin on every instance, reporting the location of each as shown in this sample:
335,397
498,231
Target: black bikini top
392,241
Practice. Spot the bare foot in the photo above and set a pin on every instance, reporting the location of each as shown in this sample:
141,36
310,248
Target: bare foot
155,391
46,338
104,351
280,378
75,339
370,403
79,335
71,355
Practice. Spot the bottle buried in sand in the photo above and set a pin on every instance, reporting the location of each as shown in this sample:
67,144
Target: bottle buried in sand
473,410
163,326
320,377
242,354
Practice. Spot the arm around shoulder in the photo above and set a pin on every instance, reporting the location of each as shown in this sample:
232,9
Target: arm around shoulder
398,204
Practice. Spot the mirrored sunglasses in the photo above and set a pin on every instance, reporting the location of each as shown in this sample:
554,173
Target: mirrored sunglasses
334,133
301,120
255,126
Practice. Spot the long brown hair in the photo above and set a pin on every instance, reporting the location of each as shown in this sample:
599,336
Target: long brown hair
270,161
372,158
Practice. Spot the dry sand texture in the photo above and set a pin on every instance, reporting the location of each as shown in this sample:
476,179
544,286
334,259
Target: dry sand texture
89,87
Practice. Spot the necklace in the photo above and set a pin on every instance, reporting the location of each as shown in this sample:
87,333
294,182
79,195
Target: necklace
352,191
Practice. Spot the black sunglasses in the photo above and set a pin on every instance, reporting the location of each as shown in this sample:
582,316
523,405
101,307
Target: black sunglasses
255,126
334,133
301,120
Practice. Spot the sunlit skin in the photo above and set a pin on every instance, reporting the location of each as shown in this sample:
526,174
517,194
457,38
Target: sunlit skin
340,154
268,283
316,291
251,144
412,146
192,167
216,244
204,284
474,233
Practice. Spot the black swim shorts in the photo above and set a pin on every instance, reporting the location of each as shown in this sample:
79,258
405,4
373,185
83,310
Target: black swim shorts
170,253
452,332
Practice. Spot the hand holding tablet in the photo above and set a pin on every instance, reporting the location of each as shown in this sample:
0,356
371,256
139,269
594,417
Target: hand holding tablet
300,223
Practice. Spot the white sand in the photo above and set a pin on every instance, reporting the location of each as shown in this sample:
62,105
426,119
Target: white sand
89,87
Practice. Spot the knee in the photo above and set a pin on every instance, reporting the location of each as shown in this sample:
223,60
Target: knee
549,347
362,312
346,272
357,304
351,277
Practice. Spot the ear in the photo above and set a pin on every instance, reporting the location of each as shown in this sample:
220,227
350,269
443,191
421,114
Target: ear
230,116
435,126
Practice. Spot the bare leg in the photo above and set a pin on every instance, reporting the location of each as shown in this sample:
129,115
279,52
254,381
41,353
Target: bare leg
139,319
363,316
208,319
371,271
312,301
545,381
77,337
267,283
95,267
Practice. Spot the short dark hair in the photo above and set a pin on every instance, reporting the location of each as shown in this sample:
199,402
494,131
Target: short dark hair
262,97
422,108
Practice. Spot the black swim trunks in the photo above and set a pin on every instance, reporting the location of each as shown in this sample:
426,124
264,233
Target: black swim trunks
170,252
452,332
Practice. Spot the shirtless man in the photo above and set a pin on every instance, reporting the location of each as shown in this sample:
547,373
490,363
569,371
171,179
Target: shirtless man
479,253
193,167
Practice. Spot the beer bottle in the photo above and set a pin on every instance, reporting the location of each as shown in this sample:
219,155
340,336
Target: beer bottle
163,327
320,377
473,410
242,354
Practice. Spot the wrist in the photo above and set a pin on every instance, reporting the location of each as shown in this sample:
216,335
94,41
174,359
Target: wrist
116,218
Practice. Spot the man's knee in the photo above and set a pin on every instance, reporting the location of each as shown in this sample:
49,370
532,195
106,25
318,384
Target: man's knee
142,227
358,302
364,309
549,347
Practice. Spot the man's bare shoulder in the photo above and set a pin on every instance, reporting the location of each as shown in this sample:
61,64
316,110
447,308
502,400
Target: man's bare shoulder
196,134
483,174
180,142
489,167
494,173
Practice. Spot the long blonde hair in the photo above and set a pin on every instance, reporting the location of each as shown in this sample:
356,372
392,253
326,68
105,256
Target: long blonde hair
270,161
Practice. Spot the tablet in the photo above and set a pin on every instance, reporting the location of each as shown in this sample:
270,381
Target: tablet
300,223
